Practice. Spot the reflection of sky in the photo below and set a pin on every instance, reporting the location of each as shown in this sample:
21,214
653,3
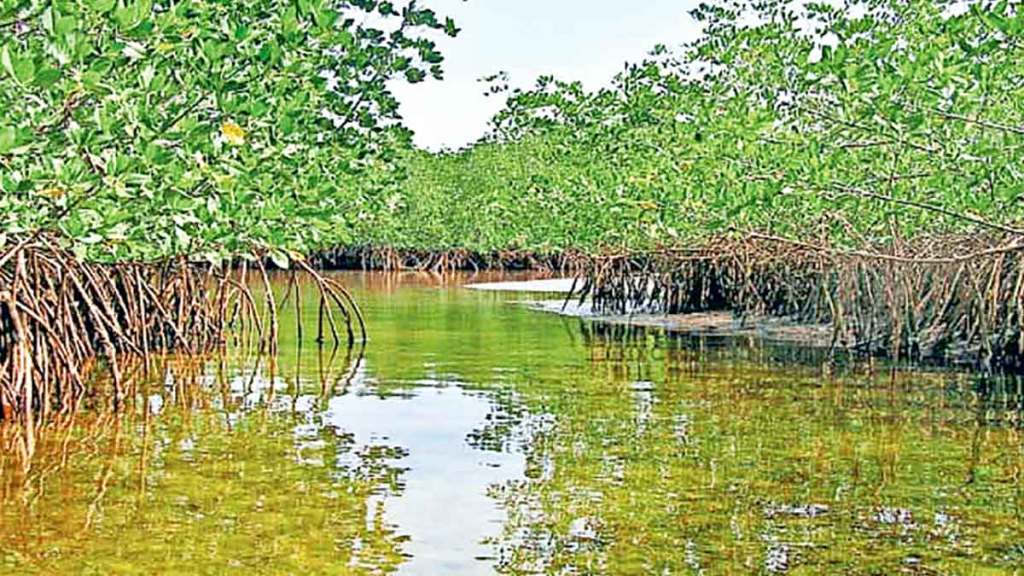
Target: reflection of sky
456,386
444,507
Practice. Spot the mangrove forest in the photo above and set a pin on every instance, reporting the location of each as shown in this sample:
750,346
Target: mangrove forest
751,304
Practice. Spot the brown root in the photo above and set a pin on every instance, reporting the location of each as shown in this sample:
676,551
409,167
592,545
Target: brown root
58,315
947,299
444,261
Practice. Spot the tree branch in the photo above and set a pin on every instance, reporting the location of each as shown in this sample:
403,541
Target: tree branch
929,207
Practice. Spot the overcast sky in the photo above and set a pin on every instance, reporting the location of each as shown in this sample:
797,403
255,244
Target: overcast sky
586,40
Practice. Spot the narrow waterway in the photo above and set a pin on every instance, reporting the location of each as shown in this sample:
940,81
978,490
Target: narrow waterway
474,435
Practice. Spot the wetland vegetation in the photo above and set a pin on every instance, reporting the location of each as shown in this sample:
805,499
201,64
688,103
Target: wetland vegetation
186,386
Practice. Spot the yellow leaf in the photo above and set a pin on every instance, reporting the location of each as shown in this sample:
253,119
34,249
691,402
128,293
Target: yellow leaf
233,133
54,193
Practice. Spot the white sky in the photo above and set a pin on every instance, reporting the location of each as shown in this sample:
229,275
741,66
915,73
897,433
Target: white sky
586,40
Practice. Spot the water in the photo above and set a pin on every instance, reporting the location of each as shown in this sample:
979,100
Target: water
475,436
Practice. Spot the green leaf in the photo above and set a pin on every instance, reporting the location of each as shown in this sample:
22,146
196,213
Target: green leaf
450,28
24,71
102,5
47,78
133,14
8,139
415,75
64,26
289,20
18,68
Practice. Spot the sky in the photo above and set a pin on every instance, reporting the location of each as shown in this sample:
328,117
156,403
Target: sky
585,40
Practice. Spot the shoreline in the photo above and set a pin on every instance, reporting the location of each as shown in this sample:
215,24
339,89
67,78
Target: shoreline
787,330
721,323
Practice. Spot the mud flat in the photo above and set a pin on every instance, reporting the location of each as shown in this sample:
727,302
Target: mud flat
712,323
716,323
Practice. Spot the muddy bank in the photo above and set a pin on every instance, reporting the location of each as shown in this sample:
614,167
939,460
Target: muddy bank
947,299
717,323
791,329
710,323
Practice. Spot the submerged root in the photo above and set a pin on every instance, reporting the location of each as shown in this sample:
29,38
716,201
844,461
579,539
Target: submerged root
951,299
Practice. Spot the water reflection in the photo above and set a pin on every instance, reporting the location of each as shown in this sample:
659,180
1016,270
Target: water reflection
474,436
440,502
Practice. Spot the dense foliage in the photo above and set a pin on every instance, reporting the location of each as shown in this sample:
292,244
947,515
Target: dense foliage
211,128
868,123
217,129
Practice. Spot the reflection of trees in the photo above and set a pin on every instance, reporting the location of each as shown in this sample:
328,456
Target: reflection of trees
666,458
203,469
645,452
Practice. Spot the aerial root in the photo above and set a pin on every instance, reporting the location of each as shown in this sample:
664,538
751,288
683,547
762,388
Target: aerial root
332,291
959,299
390,259
58,315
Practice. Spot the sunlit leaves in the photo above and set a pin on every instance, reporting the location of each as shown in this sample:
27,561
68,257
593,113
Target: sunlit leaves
768,122
233,133
19,67
177,124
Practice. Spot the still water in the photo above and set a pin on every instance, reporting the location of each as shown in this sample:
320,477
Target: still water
475,436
